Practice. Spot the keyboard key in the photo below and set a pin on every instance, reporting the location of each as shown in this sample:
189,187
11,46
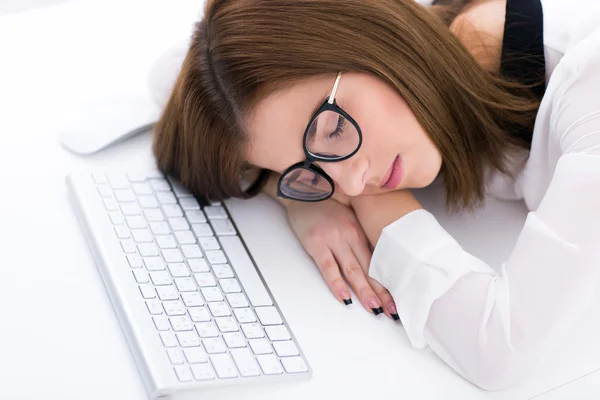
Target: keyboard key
286,349
185,237
178,224
195,355
172,255
277,332
215,212
199,314
99,177
131,209
252,331
178,188
166,242
268,315
223,227
166,198
294,365
195,216
192,299
142,235
216,257
188,339
160,185
122,232
111,204
136,222
183,373
128,246
135,261
209,243
124,196
148,250
205,279
260,346
167,293
185,284
148,201
229,286
168,339
140,276
154,215
202,230
135,176
227,324
198,265
189,203
116,218
224,366
178,269
202,372
160,228
269,364
172,210
154,307
142,188
237,300
161,323
181,323
214,345
191,251
175,355
211,294
105,191
118,181
245,271
147,292
154,264
245,362
219,309
206,330
160,278
234,340
244,315
173,307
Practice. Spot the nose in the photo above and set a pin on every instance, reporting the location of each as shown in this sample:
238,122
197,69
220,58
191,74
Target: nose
348,174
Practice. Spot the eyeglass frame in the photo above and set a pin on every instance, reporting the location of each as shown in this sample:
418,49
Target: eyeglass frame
328,105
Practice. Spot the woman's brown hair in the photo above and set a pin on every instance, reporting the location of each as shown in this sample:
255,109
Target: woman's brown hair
244,50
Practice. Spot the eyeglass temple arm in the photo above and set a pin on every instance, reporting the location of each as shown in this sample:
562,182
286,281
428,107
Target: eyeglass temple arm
335,87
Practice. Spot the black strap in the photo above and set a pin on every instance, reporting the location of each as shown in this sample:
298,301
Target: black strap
523,50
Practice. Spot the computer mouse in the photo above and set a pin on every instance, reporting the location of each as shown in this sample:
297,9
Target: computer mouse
104,121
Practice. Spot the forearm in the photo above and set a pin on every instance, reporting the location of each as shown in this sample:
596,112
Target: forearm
376,212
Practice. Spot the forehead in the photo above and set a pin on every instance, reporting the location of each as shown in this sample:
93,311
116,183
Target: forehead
277,123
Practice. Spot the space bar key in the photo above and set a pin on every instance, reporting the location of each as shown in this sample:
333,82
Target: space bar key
245,271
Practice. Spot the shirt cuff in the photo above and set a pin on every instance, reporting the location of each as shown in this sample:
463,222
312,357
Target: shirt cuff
417,260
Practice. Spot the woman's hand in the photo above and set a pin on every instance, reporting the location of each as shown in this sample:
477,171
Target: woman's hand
332,235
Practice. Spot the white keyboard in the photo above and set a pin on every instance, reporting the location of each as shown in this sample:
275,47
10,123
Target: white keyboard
191,302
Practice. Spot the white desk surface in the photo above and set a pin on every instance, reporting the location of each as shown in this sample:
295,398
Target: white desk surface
60,338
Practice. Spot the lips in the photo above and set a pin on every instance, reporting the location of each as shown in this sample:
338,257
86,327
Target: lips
393,176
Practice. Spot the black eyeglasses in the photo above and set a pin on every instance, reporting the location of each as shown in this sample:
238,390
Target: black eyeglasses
331,136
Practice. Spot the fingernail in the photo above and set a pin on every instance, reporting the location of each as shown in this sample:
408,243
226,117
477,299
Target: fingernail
396,317
377,311
346,297
373,302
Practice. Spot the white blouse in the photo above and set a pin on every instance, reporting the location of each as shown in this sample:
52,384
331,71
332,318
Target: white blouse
491,328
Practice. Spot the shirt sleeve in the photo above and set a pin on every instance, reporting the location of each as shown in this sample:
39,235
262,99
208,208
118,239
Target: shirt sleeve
492,328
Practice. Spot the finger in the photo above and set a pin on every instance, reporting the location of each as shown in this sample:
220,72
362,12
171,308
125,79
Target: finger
363,253
389,306
355,275
333,276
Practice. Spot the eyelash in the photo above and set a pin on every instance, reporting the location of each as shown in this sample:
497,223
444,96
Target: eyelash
338,129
